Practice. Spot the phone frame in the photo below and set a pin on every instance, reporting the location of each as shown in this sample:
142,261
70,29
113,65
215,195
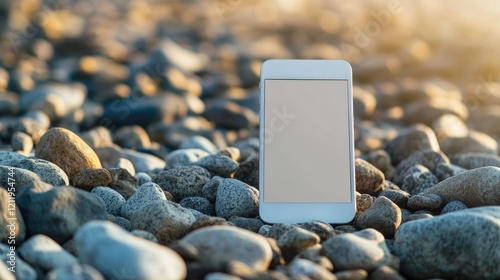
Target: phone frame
297,212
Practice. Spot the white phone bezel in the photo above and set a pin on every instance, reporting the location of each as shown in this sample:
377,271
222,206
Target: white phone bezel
297,212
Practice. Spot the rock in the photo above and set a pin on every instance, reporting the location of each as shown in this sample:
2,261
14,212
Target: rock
90,178
383,215
23,270
21,142
449,126
363,203
143,162
142,178
235,198
365,249
417,216
447,170
345,229
427,158
58,211
248,171
296,240
418,179
416,138
167,220
426,111
230,152
230,115
8,226
112,199
313,254
145,194
381,160
353,274
130,257
184,181
218,165
123,223
77,154
443,255
475,160
76,271
474,142
123,182
97,137
42,252
264,230
55,100
250,224
144,235
209,190
198,203
184,157
323,230
364,102
199,142
476,187
399,197
7,157
22,177
46,170
125,164
385,273
424,202
306,268
132,137
368,178
221,244
453,206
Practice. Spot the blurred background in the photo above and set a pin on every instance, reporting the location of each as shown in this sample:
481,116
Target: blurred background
184,68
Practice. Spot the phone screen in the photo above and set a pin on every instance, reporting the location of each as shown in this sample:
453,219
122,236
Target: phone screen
306,141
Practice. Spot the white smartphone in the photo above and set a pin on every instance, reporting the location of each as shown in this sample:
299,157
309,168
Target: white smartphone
306,141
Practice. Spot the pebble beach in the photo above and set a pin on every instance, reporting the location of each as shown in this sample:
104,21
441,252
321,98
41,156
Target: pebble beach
129,139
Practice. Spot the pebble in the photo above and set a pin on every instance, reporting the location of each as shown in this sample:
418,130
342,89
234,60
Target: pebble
142,178
198,203
230,152
416,138
131,257
123,223
453,206
144,235
97,137
75,271
123,182
132,137
207,221
42,252
21,142
221,244
23,269
426,111
364,102
365,249
368,178
125,164
58,211
418,179
184,157
218,164
428,202
447,170
363,203
264,230
449,126
385,272
399,197
90,178
209,190
235,198
473,142
475,160
323,230
167,220
199,142
7,226
22,177
294,241
112,199
184,181
427,158
417,216
352,274
143,162
476,187
443,255
77,154
248,171
7,157
145,194
46,170
250,224
305,268
383,215
381,160
230,115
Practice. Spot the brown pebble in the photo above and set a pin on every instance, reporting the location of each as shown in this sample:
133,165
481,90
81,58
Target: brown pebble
89,178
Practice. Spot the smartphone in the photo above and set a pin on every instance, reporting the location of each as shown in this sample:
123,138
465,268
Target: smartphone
306,142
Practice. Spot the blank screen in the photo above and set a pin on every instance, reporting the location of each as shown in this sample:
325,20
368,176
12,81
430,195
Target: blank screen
306,141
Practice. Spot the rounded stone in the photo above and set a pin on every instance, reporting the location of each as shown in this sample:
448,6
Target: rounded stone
235,198
184,157
184,181
424,202
383,215
145,194
77,154
453,206
75,271
221,244
368,178
198,203
42,252
90,178
112,199
218,164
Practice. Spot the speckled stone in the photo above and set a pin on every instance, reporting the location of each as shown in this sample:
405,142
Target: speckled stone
453,206
428,202
251,224
184,181
306,268
218,164
323,230
447,170
475,160
209,190
418,179
21,142
220,244
198,203
90,178
363,202
112,199
442,255
46,170
23,270
77,154
235,198
142,178
184,157
296,240
383,215
145,194
368,178
248,171
42,252
399,197
352,274
144,235
165,219
428,158
199,142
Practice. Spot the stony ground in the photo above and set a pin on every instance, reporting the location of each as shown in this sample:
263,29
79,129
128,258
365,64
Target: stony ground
129,140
